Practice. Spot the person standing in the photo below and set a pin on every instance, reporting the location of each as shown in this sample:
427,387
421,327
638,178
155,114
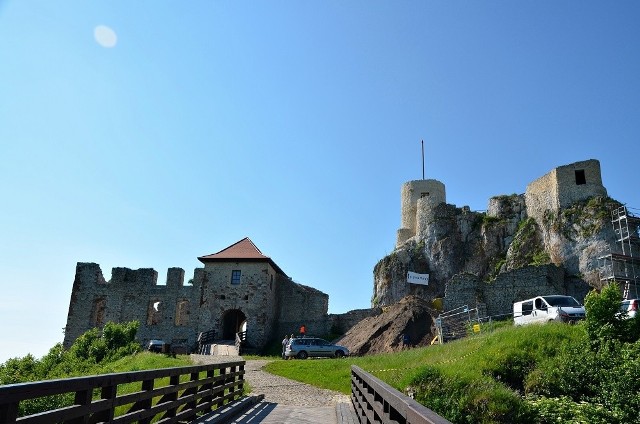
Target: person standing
303,330
406,341
284,345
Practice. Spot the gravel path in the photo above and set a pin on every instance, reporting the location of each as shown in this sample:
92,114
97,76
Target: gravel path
276,389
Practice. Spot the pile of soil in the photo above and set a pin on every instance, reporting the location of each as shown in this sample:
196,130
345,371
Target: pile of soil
384,333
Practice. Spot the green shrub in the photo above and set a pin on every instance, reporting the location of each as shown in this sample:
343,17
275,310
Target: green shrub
604,320
468,400
512,368
86,356
608,376
540,257
565,410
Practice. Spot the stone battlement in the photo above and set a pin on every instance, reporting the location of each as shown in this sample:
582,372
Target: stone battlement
240,290
92,274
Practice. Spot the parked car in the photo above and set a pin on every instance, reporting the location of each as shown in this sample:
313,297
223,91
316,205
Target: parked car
547,308
156,345
630,306
304,347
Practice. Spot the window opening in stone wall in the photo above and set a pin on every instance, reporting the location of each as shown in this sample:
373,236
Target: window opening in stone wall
97,312
182,312
580,177
425,194
154,312
222,297
246,297
235,276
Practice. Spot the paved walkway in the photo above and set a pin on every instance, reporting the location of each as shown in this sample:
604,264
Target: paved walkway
287,401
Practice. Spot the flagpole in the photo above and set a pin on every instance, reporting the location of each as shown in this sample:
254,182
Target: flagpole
423,159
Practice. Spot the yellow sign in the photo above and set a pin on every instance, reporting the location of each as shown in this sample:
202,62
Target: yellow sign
476,328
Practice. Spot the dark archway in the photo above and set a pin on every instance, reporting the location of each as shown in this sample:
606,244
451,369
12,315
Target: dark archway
233,322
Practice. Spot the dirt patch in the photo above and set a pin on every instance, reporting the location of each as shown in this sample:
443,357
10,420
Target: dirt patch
412,316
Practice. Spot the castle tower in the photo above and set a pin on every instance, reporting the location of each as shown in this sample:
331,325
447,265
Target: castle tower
428,193
563,186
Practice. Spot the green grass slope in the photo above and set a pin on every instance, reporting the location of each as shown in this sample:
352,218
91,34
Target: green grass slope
512,375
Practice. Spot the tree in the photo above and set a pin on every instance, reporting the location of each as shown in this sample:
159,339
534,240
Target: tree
605,321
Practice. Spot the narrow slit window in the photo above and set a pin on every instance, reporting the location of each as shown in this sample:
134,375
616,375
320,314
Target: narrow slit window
580,177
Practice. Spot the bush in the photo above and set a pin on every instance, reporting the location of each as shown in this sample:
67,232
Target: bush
468,400
604,320
563,409
608,376
85,356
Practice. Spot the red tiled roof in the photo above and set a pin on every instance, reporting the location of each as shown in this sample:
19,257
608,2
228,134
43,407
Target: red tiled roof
241,251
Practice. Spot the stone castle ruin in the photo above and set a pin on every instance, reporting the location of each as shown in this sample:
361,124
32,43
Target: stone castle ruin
239,290
560,188
556,238
547,240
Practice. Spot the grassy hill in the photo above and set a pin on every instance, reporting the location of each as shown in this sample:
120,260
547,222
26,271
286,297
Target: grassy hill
533,374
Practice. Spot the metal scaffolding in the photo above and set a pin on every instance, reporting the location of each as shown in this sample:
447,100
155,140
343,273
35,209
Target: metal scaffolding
623,264
456,323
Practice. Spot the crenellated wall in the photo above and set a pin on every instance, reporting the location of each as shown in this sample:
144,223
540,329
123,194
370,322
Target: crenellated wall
176,313
129,295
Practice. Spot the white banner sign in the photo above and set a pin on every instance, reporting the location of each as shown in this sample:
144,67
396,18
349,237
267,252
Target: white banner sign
415,278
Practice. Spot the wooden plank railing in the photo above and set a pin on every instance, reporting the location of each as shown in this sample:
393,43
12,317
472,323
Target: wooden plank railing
377,402
189,391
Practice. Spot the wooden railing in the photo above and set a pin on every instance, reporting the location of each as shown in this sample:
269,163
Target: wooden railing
170,395
377,402
241,337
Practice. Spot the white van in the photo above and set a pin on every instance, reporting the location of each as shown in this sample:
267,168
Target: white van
547,308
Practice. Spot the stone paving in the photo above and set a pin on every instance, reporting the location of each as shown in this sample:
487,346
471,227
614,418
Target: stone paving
286,401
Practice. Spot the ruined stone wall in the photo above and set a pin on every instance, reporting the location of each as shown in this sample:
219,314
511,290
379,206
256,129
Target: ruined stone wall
499,295
328,324
161,310
301,305
272,303
564,186
173,312
341,323
542,195
572,189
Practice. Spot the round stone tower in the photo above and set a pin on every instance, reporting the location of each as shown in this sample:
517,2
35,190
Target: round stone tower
430,193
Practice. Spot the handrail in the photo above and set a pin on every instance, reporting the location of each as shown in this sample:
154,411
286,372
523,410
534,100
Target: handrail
190,390
241,337
377,402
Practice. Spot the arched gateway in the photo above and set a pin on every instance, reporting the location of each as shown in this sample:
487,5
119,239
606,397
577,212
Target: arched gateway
233,321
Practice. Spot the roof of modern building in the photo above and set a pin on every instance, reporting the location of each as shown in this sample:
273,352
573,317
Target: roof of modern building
241,251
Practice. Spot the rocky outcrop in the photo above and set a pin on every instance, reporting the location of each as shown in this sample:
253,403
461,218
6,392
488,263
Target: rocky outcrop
575,236
454,241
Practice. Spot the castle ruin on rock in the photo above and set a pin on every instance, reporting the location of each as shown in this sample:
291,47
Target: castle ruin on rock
547,240
544,241
238,290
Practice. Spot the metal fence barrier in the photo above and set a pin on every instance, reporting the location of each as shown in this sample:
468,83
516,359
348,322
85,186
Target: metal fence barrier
167,395
377,402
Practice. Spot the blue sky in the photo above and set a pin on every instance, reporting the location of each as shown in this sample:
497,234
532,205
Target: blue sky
291,123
